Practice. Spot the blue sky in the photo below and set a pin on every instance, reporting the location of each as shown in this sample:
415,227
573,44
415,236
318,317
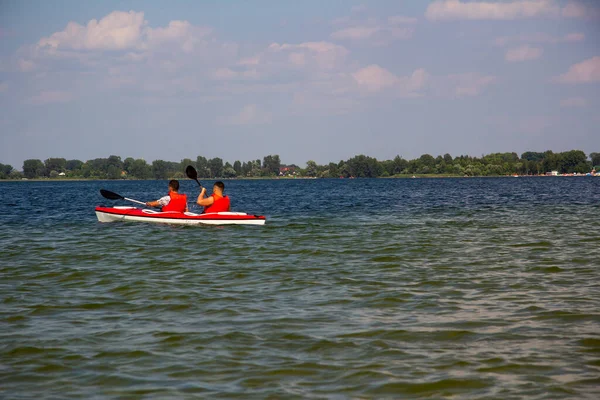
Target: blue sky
309,80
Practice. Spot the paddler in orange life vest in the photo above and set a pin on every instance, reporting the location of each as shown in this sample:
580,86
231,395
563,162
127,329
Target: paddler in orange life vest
216,202
174,201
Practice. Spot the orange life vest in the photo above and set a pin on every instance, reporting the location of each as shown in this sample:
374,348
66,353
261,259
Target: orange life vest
177,203
220,204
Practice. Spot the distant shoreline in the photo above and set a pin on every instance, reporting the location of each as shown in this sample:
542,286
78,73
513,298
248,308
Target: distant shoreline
403,176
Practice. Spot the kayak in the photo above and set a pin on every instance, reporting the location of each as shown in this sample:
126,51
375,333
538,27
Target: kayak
124,213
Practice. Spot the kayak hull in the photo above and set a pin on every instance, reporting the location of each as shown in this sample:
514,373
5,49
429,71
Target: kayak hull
134,214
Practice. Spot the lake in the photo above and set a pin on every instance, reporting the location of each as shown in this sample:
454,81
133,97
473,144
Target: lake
468,288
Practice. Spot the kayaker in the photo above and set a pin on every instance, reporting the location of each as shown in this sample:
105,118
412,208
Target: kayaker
173,201
217,201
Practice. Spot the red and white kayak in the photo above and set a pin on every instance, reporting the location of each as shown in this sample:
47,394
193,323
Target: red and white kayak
121,213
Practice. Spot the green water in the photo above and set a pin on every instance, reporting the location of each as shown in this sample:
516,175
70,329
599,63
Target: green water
422,288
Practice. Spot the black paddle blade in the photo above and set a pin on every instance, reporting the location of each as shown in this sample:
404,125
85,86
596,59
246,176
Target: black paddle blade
110,195
191,172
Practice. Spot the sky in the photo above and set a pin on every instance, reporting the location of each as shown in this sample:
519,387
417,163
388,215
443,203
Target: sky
307,80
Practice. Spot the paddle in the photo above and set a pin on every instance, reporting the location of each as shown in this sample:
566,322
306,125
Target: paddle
192,174
115,196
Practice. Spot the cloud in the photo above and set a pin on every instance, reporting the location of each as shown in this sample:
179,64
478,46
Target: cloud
249,115
400,19
25,65
355,33
486,10
374,32
463,85
573,102
124,31
180,33
374,78
523,53
540,38
577,9
587,71
49,97
324,55
117,31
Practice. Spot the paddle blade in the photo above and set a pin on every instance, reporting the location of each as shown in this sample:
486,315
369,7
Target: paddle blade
191,172
110,195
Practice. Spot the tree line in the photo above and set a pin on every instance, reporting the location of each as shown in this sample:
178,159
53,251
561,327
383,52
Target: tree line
360,166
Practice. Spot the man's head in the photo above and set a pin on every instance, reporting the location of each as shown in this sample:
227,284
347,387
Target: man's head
219,187
174,185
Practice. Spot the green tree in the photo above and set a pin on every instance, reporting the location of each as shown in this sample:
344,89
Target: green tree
202,167
73,165
532,156
5,171
572,161
595,159
33,168
237,167
229,172
311,168
113,172
216,167
114,161
127,163
55,164
400,164
271,165
140,169
160,169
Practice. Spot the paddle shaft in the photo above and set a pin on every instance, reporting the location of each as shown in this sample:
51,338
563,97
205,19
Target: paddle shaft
107,194
134,201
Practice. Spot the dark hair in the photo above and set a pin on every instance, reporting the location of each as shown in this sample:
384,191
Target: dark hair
174,184
220,185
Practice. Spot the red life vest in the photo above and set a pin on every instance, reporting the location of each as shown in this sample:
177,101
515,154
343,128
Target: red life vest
220,204
177,203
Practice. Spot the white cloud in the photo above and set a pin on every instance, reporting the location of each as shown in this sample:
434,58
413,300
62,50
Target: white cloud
577,9
540,38
180,33
117,31
486,10
587,71
463,85
400,19
374,78
355,33
372,31
523,53
25,65
324,55
573,102
249,115
125,31
49,97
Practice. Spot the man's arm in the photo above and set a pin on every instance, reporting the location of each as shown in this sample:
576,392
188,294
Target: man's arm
202,201
163,201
